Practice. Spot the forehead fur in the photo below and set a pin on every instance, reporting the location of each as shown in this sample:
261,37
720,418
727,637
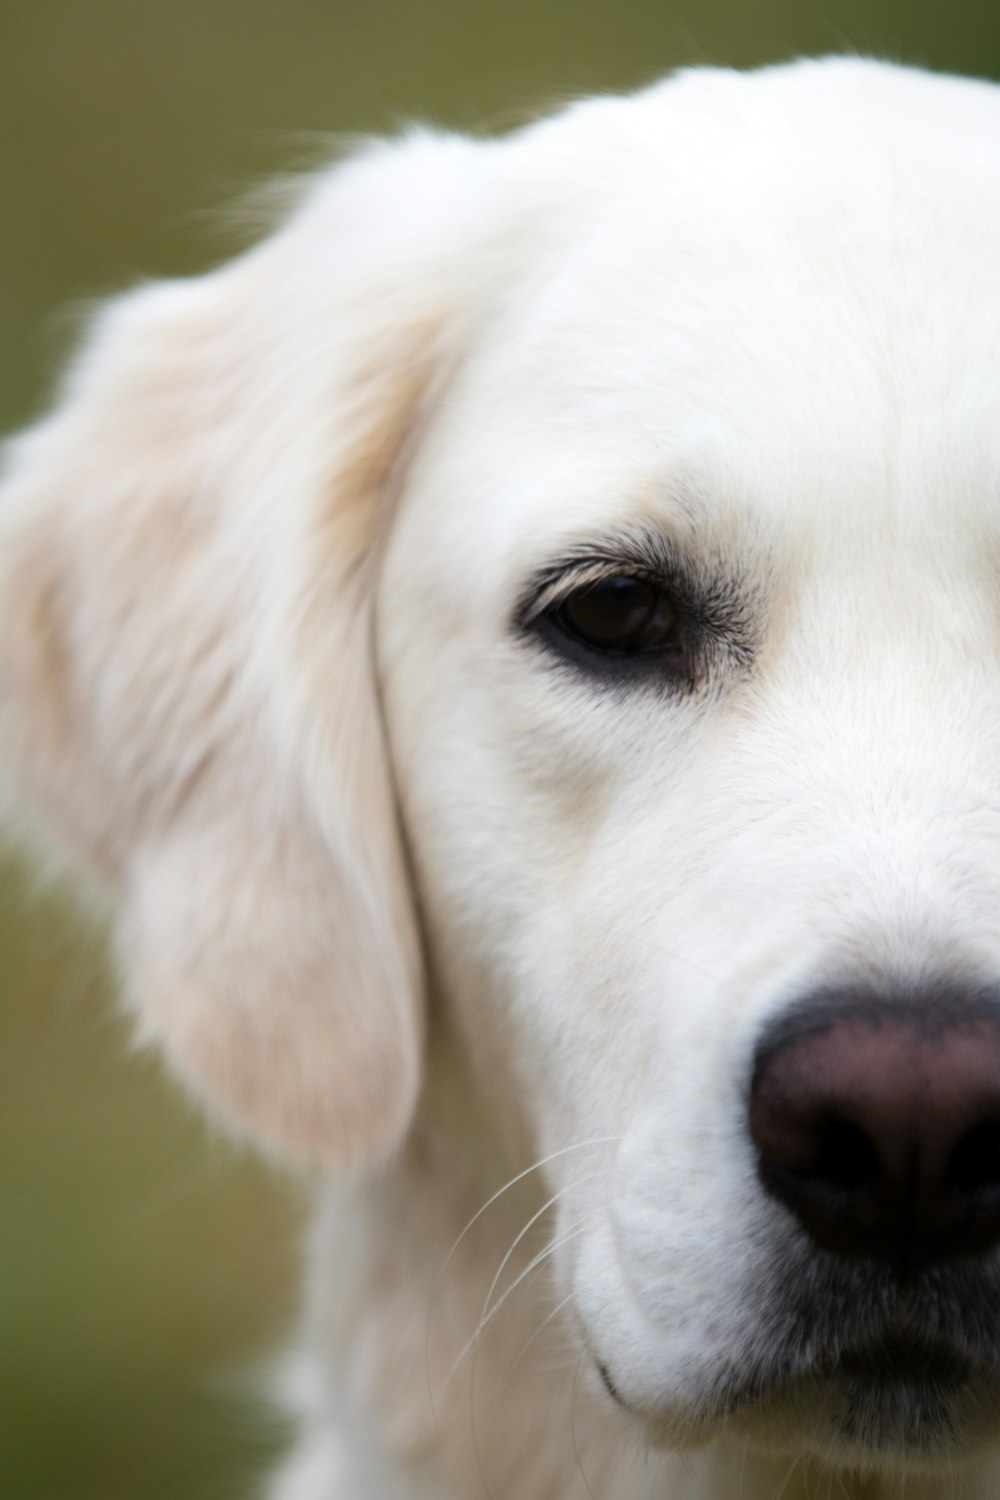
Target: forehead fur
742,288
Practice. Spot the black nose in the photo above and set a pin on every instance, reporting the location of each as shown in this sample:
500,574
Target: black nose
878,1125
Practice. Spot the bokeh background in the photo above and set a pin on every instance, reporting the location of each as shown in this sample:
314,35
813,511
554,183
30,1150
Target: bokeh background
145,1270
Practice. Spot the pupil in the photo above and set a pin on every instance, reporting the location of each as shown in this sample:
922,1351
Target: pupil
623,614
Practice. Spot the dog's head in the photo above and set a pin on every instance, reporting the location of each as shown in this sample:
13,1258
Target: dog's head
558,576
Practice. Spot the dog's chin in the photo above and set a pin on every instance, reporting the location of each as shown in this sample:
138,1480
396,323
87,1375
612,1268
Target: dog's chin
872,1408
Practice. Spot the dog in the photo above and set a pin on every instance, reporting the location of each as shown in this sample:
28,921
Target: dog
519,650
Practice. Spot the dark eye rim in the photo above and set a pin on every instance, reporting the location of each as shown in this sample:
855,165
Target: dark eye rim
715,611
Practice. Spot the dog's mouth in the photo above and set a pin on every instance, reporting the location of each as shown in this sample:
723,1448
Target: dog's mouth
905,1359
882,1393
892,1364
904,1392
841,1359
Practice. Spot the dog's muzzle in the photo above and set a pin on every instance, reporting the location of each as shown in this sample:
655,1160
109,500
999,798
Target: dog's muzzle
876,1123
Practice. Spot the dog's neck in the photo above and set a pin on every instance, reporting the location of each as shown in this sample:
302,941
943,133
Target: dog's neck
439,1367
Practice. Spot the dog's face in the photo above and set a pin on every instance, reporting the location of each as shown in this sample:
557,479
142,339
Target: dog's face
652,480
688,633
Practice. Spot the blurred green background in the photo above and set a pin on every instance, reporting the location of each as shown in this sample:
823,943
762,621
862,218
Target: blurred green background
144,1269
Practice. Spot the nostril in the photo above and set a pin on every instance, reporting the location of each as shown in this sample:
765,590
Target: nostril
846,1156
974,1168
833,1161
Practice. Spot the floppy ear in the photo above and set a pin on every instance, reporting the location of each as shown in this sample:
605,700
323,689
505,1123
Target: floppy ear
187,549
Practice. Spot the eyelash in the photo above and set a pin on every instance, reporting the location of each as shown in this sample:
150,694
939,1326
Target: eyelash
561,583
668,663
713,618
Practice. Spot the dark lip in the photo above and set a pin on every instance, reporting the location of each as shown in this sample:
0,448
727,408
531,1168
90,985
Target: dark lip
906,1359
609,1384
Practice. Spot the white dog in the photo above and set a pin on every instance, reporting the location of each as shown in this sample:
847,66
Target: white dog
521,647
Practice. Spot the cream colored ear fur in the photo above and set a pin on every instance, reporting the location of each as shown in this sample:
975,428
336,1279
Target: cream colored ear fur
187,547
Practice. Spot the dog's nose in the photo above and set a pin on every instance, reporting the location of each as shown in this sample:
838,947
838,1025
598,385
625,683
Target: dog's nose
879,1126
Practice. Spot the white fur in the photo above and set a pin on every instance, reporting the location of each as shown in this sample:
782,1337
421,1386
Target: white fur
257,579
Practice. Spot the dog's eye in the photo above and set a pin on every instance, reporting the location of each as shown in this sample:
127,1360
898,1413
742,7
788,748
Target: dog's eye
620,617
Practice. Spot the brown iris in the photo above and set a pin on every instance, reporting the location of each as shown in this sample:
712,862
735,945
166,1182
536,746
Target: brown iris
622,616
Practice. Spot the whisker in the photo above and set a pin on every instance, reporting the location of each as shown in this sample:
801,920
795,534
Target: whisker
602,1140
743,1469
531,1339
589,1177
842,1487
788,1478
477,1450
572,1428
486,1315
543,1255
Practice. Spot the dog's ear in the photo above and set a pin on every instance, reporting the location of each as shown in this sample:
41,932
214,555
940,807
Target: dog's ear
187,548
